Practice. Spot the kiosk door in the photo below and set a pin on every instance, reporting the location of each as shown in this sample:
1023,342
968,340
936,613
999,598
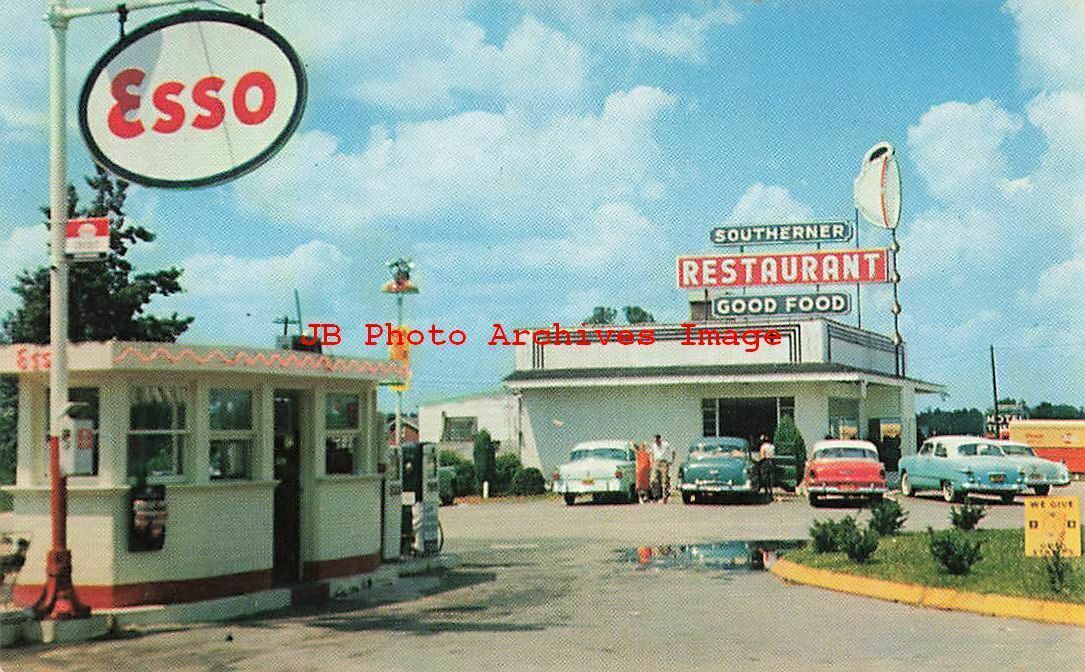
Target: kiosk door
287,562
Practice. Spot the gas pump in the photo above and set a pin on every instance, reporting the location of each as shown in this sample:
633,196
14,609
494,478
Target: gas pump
392,508
421,498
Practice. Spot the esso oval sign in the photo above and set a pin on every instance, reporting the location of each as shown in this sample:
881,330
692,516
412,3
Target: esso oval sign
192,99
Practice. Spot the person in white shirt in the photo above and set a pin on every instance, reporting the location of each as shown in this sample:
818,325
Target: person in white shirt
662,456
767,452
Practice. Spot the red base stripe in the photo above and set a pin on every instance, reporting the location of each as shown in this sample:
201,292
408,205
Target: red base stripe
327,569
158,592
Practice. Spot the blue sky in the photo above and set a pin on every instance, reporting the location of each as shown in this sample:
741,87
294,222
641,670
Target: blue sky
540,158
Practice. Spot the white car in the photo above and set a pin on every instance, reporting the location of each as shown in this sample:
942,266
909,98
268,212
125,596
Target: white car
605,468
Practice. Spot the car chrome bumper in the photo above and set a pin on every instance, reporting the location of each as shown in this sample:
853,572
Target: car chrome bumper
845,491
582,488
716,487
994,488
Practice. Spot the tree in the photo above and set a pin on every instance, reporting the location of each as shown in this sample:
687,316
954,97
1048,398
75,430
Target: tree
602,315
106,299
484,450
788,441
637,315
1047,411
959,421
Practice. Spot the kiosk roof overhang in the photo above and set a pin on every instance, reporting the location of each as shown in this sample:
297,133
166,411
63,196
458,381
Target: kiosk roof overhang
745,373
132,356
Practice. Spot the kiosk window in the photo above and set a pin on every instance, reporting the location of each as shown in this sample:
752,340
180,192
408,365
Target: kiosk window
344,434
230,416
157,430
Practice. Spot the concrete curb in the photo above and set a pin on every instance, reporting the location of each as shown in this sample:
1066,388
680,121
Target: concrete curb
937,598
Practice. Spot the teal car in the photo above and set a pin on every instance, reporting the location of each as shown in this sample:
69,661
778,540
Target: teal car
960,466
1040,474
717,466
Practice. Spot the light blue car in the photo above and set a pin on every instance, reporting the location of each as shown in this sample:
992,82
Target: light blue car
1040,474
962,465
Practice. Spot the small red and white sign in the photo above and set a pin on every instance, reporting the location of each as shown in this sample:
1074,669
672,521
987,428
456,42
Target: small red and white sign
87,239
77,447
795,268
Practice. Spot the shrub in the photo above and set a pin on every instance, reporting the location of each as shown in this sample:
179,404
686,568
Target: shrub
788,441
484,458
465,479
1059,569
967,517
506,465
954,551
887,517
449,458
858,544
529,481
823,534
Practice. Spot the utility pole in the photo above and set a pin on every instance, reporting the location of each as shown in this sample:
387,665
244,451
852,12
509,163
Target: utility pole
399,285
994,389
58,598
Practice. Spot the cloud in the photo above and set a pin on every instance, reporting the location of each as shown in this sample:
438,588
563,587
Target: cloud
536,66
948,243
235,298
1051,42
957,148
683,37
501,165
768,203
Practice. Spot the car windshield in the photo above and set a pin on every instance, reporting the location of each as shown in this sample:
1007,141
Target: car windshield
733,447
845,453
598,453
974,449
1017,449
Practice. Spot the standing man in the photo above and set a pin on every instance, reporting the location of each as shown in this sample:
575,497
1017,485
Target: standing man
662,457
767,452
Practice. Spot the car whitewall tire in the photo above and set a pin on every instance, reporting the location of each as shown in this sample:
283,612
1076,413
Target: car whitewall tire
906,485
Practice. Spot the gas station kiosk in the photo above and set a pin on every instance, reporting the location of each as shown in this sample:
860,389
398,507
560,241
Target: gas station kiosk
208,473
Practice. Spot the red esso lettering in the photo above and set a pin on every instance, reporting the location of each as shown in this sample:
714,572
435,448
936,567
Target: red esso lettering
252,102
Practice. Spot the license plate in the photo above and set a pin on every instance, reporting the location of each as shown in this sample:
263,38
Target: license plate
848,486
588,481
997,478
1036,477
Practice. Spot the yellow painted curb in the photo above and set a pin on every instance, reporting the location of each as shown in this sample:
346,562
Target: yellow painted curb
929,596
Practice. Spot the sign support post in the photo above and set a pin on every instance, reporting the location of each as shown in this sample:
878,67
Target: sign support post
58,598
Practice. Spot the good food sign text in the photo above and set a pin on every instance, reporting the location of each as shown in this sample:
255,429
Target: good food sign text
191,100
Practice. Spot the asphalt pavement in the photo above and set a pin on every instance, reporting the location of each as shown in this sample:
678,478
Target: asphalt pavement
543,586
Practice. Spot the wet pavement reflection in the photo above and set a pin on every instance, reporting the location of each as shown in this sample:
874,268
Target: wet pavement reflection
724,555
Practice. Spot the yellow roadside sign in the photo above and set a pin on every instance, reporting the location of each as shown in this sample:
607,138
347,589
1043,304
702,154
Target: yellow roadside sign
1050,521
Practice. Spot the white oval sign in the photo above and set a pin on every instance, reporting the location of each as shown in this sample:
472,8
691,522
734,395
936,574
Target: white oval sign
192,99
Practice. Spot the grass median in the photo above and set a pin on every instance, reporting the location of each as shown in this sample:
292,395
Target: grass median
906,558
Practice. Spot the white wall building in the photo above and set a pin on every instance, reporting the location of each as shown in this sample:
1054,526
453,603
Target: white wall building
830,377
453,423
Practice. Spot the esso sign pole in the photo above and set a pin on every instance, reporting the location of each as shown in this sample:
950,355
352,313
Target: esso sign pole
246,109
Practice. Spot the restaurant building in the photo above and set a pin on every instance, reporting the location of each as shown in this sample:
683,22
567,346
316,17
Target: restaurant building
216,472
833,379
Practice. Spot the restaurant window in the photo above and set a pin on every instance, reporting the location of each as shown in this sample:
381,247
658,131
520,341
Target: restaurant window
709,418
157,430
344,434
88,397
231,438
459,428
